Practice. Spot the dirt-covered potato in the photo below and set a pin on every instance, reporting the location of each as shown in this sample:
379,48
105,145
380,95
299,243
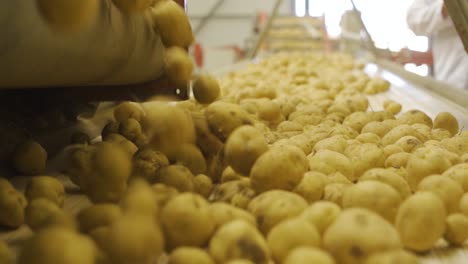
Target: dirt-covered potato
172,24
459,173
448,122
358,233
223,118
415,117
239,240
223,213
456,232
133,239
127,110
290,234
128,146
42,213
58,245
389,177
281,167
243,147
184,255
206,89
448,190
399,256
98,215
131,130
408,143
397,160
147,163
186,221
328,162
167,126
272,207
321,214
6,255
364,157
425,161
420,221
203,185
176,176
12,204
45,187
189,156
376,196
29,158
305,254
68,16
311,186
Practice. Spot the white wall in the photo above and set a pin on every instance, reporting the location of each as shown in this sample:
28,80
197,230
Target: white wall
232,24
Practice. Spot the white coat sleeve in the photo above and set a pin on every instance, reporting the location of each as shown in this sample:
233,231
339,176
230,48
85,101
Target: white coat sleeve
424,17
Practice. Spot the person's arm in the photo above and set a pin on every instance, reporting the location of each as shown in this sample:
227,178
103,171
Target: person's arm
426,17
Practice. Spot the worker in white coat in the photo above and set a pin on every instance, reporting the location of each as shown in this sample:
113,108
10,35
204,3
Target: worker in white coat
430,18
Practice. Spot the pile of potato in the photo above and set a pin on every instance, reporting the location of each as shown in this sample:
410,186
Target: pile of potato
281,162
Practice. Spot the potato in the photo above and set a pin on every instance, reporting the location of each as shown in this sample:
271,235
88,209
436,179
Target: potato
334,192
172,24
206,89
42,213
408,143
186,221
337,178
46,187
223,213
98,215
357,233
463,204
272,207
375,196
279,168
69,16
147,163
230,175
127,110
29,158
164,193
456,144
72,248
447,121
335,143
176,176
364,157
6,255
305,254
311,186
415,117
110,128
223,118
392,107
207,142
289,126
368,138
328,162
290,234
79,137
134,239
239,261
239,240
397,160
178,65
389,177
420,221
126,145
189,156
400,131
392,257
183,255
321,214
140,199
448,190
424,162
131,7
243,147
357,120
456,232
131,129
440,134
459,173
12,204
226,191
378,128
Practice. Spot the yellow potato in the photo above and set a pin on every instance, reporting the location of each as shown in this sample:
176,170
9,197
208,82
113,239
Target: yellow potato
397,160
272,207
308,255
69,16
321,214
375,196
147,163
131,129
290,234
408,143
172,24
456,232
6,255
358,233
203,185
183,255
230,175
186,221
140,199
12,204
223,213
311,186
98,215
178,64
134,6
400,131
357,120
120,141
424,162
42,213
176,176
335,143
448,122
223,118
364,157
463,204
328,162
163,193
226,191
459,173
448,190
189,156
392,149
239,240
420,221
127,110
378,128
440,134
415,117
334,192
389,177
29,158
206,89
368,138
46,187
392,257
392,107
279,168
